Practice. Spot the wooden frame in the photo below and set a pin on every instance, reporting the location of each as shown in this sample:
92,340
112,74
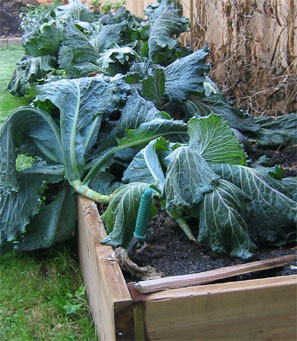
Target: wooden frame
261,309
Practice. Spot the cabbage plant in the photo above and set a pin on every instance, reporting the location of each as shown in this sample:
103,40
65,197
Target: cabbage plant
122,106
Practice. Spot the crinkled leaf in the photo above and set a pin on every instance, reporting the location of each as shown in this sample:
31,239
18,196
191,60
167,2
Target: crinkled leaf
148,131
156,9
36,133
139,137
110,35
104,182
186,75
121,14
271,213
116,60
167,25
146,166
289,187
196,105
214,140
137,111
221,225
276,131
81,103
153,87
45,40
54,223
138,72
120,216
28,72
188,178
75,10
26,202
76,52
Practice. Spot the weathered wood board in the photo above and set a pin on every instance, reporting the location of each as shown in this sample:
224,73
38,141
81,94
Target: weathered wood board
261,309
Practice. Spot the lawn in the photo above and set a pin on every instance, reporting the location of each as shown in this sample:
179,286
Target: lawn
42,296
8,58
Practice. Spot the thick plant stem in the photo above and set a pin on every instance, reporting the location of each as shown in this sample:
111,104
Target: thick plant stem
90,193
186,229
183,225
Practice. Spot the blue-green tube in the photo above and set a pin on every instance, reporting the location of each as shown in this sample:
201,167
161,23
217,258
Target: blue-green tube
143,214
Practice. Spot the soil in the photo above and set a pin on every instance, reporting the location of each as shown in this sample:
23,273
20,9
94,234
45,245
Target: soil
168,249
9,17
287,158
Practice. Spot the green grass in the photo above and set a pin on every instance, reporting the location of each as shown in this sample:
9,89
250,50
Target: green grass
42,297
8,59
41,293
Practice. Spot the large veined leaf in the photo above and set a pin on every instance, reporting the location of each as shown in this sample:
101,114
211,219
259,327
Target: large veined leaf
276,131
120,216
203,106
46,40
76,52
75,10
138,72
153,87
148,131
163,28
289,187
116,60
188,178
26,202
110,35
81,103
186,75
146,166
139,137
156,9
36,133
214,140
28,72
137,111
221,225
54,223
272,214
104,182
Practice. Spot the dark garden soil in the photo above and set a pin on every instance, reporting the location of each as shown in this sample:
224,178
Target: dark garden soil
287,158
9,17
168,249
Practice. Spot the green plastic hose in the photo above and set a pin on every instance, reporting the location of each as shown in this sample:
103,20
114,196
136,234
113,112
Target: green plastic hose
143,214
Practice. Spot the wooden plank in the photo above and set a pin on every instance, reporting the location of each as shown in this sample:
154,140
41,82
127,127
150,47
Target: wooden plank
105,285
262,309
212,275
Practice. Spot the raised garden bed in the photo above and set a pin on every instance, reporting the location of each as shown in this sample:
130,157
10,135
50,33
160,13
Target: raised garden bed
257,309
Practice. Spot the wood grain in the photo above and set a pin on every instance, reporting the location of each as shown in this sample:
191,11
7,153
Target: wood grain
105,284
212,275
262,309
